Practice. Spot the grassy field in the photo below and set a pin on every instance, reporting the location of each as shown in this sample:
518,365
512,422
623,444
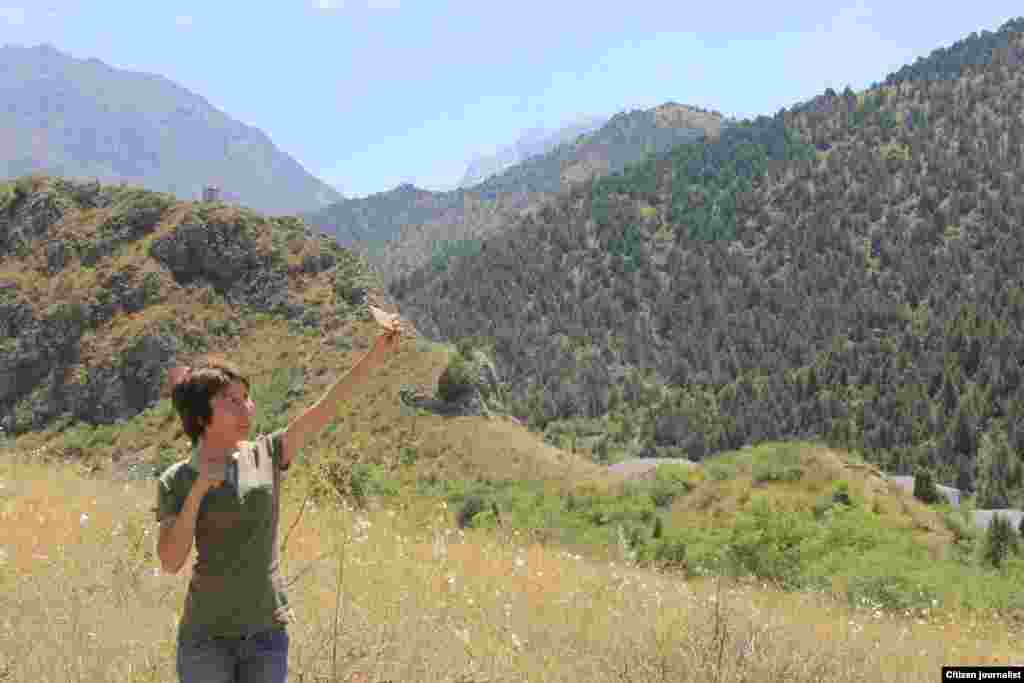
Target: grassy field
829,574
398,592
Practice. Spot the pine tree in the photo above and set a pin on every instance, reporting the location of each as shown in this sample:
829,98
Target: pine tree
1000,541
964,477
994,465
960,435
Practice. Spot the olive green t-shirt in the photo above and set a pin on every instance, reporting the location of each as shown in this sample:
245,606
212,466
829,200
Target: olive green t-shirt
236,585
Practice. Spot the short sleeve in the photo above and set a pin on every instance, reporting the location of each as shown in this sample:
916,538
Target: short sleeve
168,502
275,444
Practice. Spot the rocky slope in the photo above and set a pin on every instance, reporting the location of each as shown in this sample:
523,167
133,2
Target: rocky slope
102,288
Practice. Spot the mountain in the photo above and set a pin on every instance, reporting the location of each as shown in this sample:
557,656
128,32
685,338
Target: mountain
104,288
848,269
533,142
405,228
84,119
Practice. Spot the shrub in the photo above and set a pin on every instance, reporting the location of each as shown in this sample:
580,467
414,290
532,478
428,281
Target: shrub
766,543
466,345
139,212
961,529
6,195
721,471
370,480
771,471
473,505
671,552
841,494
924,486
408,455
888,591
669,482
457,379
151,287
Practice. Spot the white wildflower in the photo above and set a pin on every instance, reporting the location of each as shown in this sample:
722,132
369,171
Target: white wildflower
84,519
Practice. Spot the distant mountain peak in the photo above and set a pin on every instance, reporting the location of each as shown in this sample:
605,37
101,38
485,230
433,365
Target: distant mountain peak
81,118
533,141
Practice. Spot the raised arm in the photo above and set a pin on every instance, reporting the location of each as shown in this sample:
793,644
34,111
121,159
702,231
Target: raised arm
309,424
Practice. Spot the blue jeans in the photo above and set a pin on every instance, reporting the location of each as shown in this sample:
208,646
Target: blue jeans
257,658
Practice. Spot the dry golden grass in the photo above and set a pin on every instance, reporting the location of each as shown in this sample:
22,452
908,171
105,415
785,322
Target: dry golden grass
420,600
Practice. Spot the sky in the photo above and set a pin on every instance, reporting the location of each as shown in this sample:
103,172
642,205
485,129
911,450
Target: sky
369,94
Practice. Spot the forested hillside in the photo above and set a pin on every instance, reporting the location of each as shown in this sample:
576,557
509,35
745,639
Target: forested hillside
848,269
405,228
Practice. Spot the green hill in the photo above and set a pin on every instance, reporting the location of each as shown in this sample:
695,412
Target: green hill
847,271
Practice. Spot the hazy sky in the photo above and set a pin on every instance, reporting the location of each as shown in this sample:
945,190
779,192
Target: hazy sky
367,94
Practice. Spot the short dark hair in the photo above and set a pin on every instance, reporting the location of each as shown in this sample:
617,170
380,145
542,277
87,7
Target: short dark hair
193,395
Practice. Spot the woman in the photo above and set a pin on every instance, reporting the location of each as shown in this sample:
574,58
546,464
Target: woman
234,625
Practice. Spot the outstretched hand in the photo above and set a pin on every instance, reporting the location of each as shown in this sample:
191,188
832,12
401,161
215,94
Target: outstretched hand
392,327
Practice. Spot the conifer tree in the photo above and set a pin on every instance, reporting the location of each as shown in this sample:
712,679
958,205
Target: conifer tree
1000,541
994,466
